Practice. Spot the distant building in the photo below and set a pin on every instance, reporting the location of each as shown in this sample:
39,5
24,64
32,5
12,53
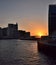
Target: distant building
23,34
52,19
12,30
27,34
4,32
1,33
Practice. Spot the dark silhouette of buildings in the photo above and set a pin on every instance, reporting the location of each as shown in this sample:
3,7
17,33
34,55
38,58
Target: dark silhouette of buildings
12,32
52,19
1,34
23,34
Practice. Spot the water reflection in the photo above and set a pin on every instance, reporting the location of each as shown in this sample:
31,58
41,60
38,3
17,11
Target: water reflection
22,52
17,51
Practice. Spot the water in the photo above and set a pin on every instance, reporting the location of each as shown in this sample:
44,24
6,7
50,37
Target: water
22,52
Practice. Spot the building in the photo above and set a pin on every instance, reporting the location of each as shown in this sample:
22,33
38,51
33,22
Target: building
27,34
1,34
4,32
23,34
52,19
12,30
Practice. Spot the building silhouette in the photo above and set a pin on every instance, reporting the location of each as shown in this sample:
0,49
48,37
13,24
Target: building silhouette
1,34
12,32
52,19
23,34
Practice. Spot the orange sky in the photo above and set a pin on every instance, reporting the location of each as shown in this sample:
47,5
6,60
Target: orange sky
31,15
35,26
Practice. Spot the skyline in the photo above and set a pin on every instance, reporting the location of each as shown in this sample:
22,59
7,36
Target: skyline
31,15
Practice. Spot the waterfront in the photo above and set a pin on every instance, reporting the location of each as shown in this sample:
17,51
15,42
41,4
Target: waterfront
23,52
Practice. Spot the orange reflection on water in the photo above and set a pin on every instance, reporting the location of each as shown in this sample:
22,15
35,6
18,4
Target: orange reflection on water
32,47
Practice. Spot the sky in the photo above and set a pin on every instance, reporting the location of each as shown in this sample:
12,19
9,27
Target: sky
31,15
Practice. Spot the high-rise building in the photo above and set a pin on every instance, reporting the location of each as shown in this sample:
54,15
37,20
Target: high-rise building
52,19
12,30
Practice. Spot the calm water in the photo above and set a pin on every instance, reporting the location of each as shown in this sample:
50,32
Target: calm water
22,52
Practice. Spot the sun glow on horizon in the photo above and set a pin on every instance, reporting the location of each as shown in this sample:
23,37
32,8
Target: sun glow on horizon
39,34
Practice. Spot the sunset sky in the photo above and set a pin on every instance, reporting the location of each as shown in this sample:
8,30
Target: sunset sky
31,15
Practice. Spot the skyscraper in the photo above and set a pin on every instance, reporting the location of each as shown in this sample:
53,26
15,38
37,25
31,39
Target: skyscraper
52,19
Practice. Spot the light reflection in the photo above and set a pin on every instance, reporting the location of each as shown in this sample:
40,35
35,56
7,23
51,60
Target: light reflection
32,47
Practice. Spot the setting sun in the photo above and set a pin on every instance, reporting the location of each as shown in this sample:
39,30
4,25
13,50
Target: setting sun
40,34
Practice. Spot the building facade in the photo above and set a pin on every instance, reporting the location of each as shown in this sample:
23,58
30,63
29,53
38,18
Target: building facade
52,19
1,33
12,30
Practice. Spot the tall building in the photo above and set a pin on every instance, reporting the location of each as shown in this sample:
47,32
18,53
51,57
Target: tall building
12,30
52,19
